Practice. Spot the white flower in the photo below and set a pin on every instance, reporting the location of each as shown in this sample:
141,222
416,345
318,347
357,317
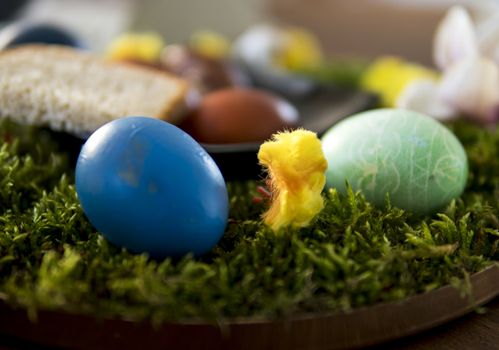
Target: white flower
468,58
455,38
420,96
471,86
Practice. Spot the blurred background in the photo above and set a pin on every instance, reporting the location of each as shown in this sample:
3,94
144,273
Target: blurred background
361,27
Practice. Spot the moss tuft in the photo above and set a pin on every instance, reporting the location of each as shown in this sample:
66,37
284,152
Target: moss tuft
352,255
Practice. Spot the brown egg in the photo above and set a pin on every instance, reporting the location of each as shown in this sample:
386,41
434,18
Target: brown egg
239,115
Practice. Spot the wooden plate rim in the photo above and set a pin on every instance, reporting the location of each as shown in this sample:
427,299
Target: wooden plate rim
326,330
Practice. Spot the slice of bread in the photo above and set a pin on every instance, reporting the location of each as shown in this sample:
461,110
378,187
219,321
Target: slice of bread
76,92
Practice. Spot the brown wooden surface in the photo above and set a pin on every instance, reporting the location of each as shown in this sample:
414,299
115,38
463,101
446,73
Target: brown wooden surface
471,332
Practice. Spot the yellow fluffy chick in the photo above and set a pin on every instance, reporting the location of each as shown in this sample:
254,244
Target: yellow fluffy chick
296,167
144,47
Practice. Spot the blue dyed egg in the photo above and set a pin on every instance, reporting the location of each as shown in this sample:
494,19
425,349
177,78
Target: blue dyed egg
148,186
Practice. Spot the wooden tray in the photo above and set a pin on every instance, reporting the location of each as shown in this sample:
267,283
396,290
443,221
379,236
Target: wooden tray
360,327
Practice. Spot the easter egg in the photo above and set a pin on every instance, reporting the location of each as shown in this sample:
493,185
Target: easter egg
411,157
239,116
148,186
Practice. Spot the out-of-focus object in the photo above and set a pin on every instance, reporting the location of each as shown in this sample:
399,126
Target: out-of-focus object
72,91
471,86
9,8
454,38
42,33
470,80
387,76
284,49
240,116
272,54
406,85
143,47
96,22
419,95
205,73
488,36
203,62
376,27
210,44
179,19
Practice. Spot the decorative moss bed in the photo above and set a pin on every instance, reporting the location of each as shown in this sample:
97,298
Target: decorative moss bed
352,255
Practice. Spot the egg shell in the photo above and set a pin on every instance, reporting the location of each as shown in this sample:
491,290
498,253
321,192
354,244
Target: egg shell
148,186
239,116
412,157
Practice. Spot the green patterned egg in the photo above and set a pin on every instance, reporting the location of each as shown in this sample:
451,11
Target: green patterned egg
410,156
